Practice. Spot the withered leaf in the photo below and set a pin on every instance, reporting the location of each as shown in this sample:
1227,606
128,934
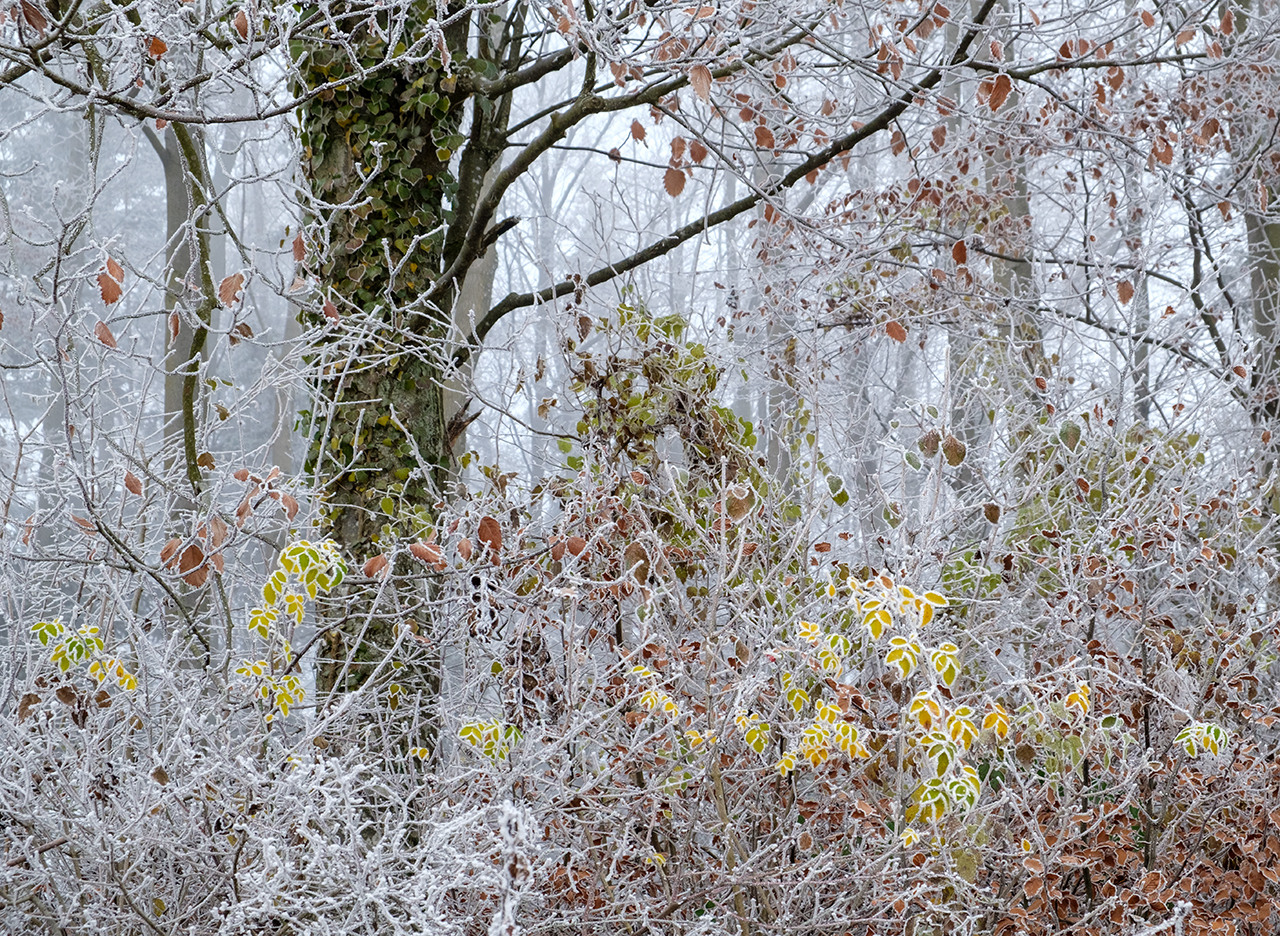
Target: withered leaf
331,311
637,131
290,505
241,23
464,548
673,182
218,528
999,92
896,331
66,695
191,566
959,252
637,560
169,551
374,565
205,460
430,554
26,704
229,289
160,775
1125,291
299,249
697,152
103,334
35,19
157,47
111,282
576,545
242,330
700,81
764,137
490,534
132,484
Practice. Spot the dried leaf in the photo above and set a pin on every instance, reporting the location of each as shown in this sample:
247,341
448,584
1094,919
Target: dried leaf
103,334
374,565
1184,37
191,566
229,289
991,512
1147,19
169,550
111,282
896,331
430,554
677,149
464,549
637,560
160,776
205,460
218,527
157,47
241,23
700,80
764,137
331,311
35,19
1083,485
959,252
86,525
241,474
673,182
637,131
490,534
1163,151
289,504
1124,289
615,154
898,143
557,551
697,152
939,135
174,324
999,92
299,249
1240,372
576,545
953,450
132,484
66,695
822,547
1228,24
242,330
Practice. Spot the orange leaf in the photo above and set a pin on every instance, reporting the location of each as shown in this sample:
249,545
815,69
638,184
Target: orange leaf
697,152
1125,290
764,137
157,47
895,331
241,22
374,565
959,252
110,282
464,549
132,484
103,334
1147,19
490,534
637,131
577,545
229,289
999,92
700,80
673,182
430,554
169,550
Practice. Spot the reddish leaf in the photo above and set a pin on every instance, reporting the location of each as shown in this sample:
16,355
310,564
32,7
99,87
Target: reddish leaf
35,19
896,331
1083,485
290,505
1033,886
898,142
218,527
939,137
1125,291
241,474
673,182
697,152
1184,37
110,282
430,554
557,551
1228,24
331,311
299,249
174,323
822,547
764,137
700,80
637,131
103,334
490,534
191,566
1240,372
241,23
1163,151
677,150
374,565
157,47
1147,19
999,92
615,154
132,484
169,550
85,525
577,545
959,252
242,330
464,549
229,289
1034,865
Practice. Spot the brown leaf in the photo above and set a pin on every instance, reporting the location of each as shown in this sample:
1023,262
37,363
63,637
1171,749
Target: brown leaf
1184,37
35,19
677,149
953,450
1124,289
1034,865
205,460
1240,372
132,484
244,511
290,505
331,311
241,23
85,525
174,323
822,547
242,330
111,282
299,249
374,565
700,80
218,527
639,477
576,545
615,154
430,554
557,551
999,92
170,549
764,137
697,152
157,47
1147,19
895,331
66,695
1163,151
637,131
1033,886
960,252
241,474
160,775
191,566
102,698
991,512
25,705
103,334
898,143
464,549
229,289
1083,485
637,560
1228,24
673,182
939,137
490,534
